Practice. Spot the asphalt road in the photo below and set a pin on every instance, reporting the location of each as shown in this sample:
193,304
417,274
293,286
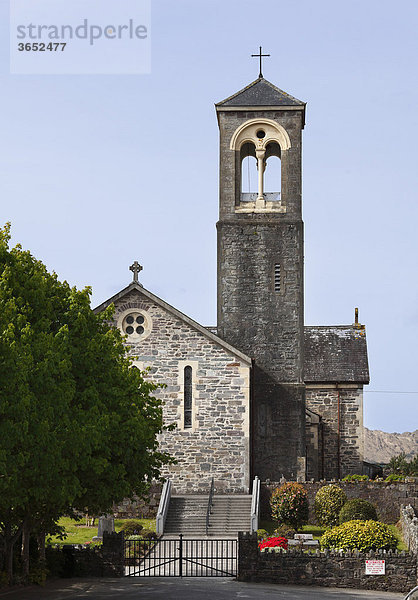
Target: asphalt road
183,589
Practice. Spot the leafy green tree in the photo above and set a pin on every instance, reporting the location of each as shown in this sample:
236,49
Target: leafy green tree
399,465
78,426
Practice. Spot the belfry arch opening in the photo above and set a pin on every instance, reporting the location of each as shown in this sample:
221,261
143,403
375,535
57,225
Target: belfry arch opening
249,173
259,145
273,172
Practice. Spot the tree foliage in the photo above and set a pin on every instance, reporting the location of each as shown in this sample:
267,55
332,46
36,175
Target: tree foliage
400,465
78,426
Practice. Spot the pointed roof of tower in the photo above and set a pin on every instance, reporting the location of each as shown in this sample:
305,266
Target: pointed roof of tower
260,93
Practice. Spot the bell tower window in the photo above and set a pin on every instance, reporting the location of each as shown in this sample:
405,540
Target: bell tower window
260,143
273,173
249,174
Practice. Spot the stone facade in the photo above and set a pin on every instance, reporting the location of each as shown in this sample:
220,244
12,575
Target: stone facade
270,396
217,442
254,315
330,569
340,449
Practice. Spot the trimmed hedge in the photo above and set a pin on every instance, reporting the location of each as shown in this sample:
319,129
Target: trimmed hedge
357,509
289,505
360,535
329,500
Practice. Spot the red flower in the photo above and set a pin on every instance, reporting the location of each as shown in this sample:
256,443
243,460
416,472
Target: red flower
274,542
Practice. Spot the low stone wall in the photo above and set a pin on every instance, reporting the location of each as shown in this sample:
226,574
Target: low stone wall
326,569
409,523
72,560
140,508
386,497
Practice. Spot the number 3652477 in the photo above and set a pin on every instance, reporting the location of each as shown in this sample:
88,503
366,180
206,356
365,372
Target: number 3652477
41,47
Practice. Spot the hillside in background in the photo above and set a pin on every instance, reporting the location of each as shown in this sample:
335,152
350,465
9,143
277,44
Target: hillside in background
380,446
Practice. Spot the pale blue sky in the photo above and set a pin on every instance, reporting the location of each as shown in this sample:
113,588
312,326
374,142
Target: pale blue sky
97,171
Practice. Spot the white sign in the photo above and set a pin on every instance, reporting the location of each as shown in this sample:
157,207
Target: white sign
375,567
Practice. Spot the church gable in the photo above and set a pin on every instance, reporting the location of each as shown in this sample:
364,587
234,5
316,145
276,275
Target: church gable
206,393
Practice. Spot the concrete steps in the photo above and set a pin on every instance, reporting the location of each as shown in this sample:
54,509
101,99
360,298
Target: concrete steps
229,515
187,515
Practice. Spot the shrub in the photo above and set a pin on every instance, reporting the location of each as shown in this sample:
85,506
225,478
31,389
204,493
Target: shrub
261,534
393,477
131,527
355,477
289,505
357,509
329,500
273,542
285,531
361,535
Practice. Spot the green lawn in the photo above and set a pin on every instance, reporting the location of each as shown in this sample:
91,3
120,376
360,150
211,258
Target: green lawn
401,544
78,533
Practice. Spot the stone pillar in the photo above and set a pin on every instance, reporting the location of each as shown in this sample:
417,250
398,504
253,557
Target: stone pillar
247,556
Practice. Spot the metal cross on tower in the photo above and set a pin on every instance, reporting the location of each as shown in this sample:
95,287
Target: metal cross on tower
260,55
136,269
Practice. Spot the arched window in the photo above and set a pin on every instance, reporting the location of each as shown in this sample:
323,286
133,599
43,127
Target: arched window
188,396
249,173
273,172
259,189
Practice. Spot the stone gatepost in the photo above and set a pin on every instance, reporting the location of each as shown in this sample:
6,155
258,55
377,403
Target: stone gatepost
247,556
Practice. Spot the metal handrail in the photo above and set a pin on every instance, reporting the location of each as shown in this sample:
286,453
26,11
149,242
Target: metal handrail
255,505
210,502
163,506
409,595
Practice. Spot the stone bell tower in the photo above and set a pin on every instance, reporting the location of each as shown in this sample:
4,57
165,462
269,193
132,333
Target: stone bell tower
260,267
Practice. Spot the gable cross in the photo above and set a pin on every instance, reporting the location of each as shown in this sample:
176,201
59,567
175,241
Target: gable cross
260,56
136,269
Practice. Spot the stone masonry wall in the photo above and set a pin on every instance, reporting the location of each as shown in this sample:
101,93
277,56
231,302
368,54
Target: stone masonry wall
386,497
409,523
217,445
263,322
324,401
140,508
345,570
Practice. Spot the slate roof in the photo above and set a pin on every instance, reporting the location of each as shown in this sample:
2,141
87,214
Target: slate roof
336,354
206,332
260,93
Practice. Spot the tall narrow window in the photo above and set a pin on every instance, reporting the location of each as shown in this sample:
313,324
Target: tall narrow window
188,396
277,278
249,174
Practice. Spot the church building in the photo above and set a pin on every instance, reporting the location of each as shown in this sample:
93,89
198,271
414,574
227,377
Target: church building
260,394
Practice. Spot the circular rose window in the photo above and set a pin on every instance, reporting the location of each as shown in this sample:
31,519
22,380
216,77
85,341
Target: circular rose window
136,325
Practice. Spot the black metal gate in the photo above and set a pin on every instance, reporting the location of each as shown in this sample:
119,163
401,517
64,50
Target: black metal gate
181,557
